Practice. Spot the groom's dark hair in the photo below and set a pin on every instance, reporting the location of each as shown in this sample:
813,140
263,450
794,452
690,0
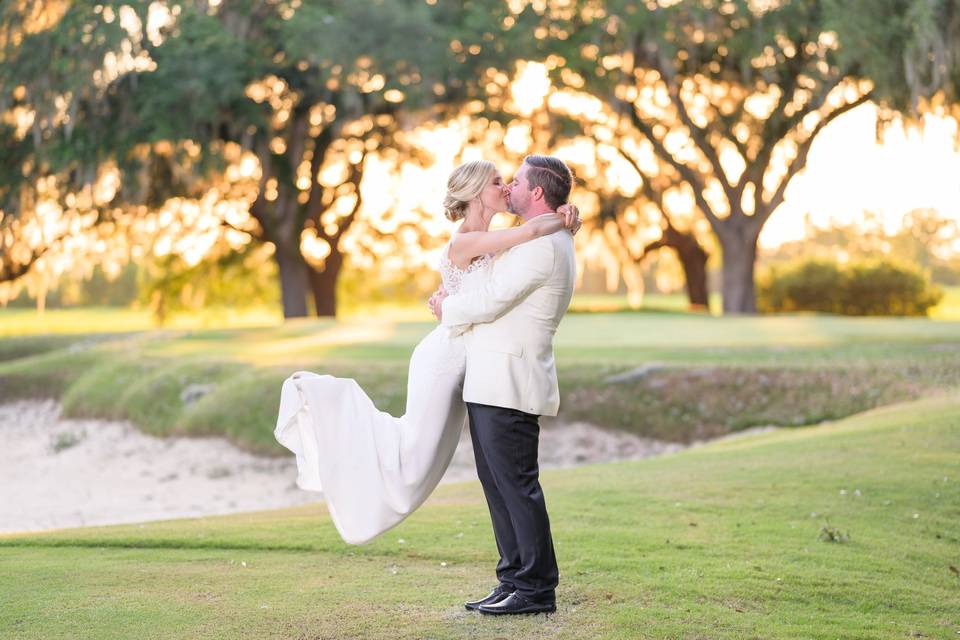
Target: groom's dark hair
552,175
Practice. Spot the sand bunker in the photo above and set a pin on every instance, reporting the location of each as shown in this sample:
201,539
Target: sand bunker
57,473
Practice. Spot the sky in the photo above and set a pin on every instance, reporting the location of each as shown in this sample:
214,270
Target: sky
848,172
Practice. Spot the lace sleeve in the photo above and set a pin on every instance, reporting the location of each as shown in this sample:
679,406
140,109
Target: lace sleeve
452,276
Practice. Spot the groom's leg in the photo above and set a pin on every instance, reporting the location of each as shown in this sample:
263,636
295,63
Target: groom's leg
509,440
509,562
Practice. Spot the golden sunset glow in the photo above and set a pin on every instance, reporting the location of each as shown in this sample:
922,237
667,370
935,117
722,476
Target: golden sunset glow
848,171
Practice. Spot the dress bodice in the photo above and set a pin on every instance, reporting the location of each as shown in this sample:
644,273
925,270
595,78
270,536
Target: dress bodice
452,276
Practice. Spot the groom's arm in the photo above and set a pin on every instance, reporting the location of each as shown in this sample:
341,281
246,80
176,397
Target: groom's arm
514,276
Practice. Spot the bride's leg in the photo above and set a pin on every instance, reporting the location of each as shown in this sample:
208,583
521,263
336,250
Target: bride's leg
431,424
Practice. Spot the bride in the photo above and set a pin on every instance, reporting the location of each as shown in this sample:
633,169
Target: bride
375,469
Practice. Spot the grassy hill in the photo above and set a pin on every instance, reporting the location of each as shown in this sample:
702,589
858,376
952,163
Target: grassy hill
721,541
707,376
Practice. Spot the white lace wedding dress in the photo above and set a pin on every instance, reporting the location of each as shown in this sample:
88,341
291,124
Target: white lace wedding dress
374,469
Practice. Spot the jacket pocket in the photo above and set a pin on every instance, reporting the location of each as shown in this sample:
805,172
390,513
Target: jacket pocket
511,348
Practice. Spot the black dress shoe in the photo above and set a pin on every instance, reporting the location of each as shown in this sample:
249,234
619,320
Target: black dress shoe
495,596
517,603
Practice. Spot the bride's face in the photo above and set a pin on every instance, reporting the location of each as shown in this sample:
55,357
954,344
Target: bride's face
494,193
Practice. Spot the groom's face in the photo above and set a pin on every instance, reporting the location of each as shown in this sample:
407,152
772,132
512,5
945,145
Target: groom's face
518,192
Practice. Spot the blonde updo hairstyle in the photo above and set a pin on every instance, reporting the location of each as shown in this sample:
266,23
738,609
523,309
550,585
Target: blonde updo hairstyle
464,185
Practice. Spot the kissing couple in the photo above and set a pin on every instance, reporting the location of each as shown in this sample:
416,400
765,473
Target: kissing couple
502,296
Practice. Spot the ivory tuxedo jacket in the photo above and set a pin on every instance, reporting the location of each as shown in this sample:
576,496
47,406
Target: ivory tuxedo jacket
508,323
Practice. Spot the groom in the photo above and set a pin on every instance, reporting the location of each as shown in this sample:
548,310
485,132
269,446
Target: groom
511,379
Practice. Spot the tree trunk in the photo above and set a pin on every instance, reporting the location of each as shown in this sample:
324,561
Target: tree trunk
324,284
695,271
293,281
42,296
739,259
694,260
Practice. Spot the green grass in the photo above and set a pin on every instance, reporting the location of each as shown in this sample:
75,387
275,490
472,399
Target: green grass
22,321
714,375
716,542
653,302
73,320
948,309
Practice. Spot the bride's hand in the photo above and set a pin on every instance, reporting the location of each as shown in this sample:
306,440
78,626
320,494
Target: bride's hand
566,217
544,225
570,215
436,302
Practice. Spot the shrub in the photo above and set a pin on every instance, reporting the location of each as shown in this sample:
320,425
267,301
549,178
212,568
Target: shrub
884,288
869,288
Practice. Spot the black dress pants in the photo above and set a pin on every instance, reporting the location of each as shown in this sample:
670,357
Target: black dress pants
505,443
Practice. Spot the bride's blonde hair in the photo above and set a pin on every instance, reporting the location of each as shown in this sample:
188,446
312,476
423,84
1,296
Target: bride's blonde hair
464,184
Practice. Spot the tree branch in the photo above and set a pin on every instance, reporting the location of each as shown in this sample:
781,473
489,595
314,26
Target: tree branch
356,176
697,133
685,172
646,185
729,121
257,234
654,196
771,136
653,246
10,271
297,136
321,144
260,210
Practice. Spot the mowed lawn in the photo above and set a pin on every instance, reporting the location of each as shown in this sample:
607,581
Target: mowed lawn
21,321
721,541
